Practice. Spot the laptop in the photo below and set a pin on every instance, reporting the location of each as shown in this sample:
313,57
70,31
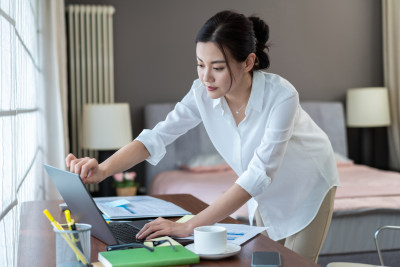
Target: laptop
84,209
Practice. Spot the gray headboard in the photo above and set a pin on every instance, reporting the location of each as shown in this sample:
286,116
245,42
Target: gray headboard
328,115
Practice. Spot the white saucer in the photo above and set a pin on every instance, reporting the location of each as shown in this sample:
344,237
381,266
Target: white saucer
231,249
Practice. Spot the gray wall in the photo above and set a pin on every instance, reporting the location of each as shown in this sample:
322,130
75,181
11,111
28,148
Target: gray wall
323,47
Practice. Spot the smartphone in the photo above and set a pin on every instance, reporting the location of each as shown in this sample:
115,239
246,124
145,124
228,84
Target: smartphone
266,259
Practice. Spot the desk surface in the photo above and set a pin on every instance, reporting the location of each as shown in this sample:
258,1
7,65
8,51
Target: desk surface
37,239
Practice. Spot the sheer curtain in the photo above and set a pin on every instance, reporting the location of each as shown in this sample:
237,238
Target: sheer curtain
27,96
54,62
391,59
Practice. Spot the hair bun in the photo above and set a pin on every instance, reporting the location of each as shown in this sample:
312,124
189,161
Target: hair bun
261,31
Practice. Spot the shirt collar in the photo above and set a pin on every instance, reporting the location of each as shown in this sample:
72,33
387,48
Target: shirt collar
218,103
256,94
257,91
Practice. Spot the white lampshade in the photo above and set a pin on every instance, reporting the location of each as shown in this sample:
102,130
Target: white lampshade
106,126
368,107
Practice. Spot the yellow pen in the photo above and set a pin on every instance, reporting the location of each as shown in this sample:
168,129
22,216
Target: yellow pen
78,253
67,214
69,223
72,227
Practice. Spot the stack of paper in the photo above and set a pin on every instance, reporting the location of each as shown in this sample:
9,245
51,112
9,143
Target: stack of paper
137,207
236,233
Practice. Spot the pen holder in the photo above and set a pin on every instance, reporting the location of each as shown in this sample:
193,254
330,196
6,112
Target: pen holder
73,247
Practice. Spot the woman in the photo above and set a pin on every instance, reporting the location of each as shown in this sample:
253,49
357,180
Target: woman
284,162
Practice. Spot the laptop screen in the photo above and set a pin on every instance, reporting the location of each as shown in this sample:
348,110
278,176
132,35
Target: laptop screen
80,203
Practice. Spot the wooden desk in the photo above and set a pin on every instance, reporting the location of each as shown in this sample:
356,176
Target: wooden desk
37,239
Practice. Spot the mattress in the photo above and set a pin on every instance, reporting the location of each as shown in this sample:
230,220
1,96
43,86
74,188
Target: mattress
367,199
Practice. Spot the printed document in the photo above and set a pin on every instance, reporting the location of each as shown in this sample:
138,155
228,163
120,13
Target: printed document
133,207
236,233
240,233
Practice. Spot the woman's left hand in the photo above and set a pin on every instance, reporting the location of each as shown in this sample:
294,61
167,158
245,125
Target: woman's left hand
163,227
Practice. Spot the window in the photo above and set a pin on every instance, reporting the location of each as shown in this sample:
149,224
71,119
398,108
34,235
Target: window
21,118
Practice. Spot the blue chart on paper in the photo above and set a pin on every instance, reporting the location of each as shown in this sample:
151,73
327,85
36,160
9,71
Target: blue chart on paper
234,235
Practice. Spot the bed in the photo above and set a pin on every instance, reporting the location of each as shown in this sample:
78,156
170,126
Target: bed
368,198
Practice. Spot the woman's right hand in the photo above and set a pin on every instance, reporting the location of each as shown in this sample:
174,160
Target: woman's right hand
87,168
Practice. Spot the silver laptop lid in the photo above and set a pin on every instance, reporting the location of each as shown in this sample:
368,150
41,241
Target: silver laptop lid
80,203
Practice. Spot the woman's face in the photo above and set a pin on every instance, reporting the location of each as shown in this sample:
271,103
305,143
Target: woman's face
213,70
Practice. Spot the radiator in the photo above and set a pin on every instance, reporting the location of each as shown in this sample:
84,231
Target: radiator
91,65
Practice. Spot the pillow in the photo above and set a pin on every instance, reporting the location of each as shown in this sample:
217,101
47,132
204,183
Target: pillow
343,160
216,168
206,163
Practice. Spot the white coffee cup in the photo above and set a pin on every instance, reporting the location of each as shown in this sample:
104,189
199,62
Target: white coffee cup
210,239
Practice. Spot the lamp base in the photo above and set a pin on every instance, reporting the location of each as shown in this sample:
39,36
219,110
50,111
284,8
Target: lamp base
106,188
369,146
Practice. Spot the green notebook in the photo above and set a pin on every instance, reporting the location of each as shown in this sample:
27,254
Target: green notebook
162,256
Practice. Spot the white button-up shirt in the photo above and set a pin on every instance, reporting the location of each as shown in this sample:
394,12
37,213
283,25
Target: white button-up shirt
282,158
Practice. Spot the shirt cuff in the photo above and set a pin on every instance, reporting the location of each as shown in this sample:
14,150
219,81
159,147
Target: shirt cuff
154,144
253,183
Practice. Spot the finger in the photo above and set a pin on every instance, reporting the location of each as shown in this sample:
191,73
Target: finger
78,166
72,164
69,158
157,234
151,233
148,229
85,181
90,173
161,227
85,168
142,233
144,228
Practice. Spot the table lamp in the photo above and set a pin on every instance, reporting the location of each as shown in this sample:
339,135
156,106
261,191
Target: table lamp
106,128
367,108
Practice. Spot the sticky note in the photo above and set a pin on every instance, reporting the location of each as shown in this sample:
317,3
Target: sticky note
185,218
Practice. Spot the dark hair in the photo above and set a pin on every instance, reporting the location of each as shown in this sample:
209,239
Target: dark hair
239,34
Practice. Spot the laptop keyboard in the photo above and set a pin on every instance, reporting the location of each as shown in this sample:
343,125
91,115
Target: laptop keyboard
124,233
